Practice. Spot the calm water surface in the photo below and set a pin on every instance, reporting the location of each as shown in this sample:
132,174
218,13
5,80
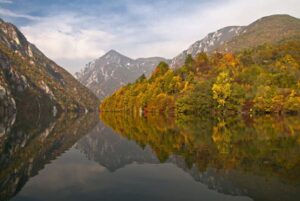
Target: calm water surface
125,157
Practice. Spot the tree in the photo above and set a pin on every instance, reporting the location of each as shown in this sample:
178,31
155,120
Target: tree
263,99
222,89
201,62
160,70
162,103
182,72
141,78
292,104
189,63
286,71
196,101
175,85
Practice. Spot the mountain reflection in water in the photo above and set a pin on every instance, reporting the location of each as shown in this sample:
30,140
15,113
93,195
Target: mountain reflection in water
127,157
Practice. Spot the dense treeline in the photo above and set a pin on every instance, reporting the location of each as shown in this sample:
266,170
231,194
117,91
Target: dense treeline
265,79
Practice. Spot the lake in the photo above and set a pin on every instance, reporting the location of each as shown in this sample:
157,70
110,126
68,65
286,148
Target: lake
127,157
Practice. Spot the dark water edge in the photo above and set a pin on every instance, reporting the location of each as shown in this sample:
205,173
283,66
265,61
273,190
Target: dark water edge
127,157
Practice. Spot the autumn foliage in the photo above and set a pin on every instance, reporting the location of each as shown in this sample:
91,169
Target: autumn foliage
261,80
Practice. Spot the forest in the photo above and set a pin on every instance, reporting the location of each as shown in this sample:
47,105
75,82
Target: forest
261,80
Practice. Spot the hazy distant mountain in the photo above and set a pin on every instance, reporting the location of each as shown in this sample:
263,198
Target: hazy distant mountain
109,72
208,44
32,82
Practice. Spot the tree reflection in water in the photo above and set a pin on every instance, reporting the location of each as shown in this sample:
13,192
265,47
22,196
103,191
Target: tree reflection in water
258,154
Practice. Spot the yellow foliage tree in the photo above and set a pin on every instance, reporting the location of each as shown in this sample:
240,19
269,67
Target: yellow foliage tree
222,89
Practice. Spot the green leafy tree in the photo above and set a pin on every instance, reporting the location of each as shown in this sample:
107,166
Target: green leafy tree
197,101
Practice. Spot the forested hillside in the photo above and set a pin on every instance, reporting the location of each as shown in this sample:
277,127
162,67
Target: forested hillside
265,79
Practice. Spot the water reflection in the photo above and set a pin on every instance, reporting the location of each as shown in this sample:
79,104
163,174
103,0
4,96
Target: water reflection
127,157
257,157
28,144
111,151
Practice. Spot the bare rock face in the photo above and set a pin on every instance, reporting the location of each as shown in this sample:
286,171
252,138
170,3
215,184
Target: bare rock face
108,73
29,81
7,102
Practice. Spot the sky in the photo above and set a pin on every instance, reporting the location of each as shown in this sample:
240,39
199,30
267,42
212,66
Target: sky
75,32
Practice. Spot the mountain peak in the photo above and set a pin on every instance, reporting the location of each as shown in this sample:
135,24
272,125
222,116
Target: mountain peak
278,16
269,29
113,52
113,55
277,19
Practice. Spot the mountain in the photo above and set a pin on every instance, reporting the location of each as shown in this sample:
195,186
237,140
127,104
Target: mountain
113,70
29,81
269,29
208,44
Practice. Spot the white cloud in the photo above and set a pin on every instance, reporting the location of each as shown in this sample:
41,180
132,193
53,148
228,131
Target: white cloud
6,1
65,41
9,13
